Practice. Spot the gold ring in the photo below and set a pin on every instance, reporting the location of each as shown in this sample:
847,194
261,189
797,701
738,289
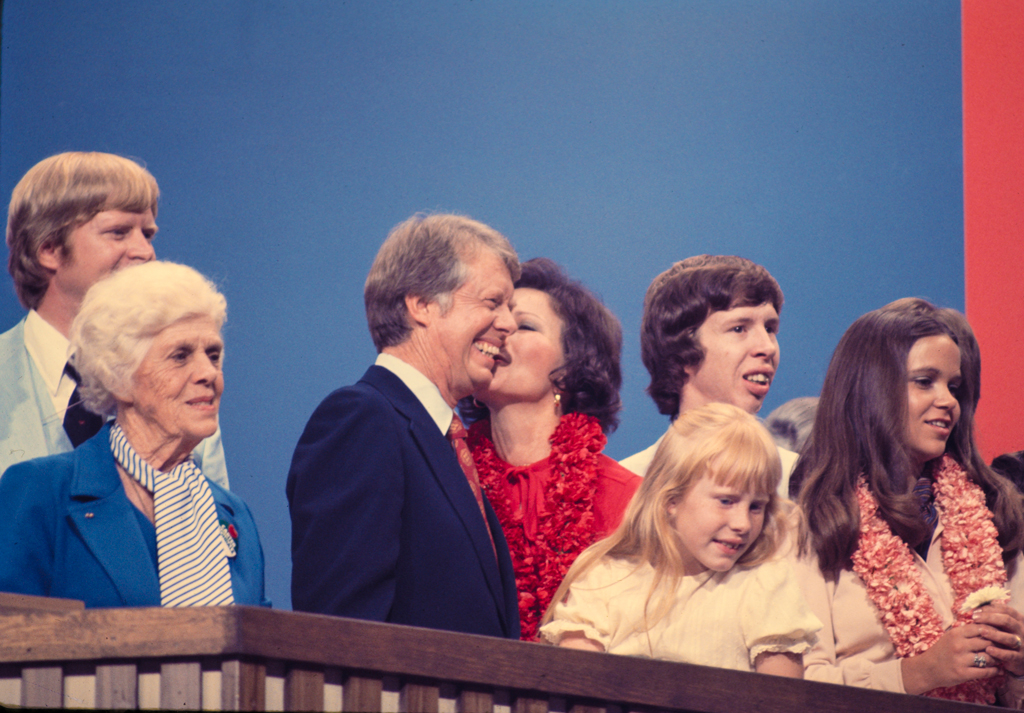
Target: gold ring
1016,643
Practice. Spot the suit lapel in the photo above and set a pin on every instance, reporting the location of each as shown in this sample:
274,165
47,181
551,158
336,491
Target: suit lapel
449,475
102,515
441,460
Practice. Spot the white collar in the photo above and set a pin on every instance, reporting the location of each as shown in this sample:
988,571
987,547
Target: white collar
48,349
422,388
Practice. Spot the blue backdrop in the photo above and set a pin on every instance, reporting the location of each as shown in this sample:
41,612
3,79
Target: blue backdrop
819,138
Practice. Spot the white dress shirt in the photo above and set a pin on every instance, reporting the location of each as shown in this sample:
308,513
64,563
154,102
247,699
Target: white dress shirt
48,349
423,388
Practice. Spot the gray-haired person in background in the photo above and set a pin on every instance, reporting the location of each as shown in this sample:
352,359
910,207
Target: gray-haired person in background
791,423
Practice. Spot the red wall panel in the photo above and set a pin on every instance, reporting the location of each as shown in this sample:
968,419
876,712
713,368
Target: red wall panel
993,87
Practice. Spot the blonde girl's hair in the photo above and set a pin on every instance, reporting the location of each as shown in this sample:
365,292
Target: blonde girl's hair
718,440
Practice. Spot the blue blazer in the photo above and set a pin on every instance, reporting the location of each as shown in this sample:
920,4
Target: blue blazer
68,530
31,428
385,526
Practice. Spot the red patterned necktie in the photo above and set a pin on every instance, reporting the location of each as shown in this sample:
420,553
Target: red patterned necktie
457,435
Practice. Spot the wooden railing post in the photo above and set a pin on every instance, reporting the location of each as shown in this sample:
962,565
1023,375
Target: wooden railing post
304,689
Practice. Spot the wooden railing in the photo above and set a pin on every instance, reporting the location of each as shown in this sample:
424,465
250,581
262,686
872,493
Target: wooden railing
246,658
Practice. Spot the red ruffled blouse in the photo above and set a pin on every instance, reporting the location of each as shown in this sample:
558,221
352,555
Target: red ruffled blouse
552,510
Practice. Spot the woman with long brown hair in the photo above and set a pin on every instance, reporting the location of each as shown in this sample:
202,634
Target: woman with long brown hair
910,543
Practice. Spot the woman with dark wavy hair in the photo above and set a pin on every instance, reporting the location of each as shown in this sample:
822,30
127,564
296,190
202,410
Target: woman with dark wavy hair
911,544
541,428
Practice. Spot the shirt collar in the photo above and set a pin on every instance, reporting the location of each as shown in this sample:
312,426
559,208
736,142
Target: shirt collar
48,349
422,388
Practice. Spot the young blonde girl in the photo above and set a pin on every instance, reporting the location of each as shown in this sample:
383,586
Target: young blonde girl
692,574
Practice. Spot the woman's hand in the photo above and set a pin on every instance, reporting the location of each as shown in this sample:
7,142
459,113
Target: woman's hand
950,660
1003,627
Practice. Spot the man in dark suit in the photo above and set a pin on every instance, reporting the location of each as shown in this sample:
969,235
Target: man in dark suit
387,524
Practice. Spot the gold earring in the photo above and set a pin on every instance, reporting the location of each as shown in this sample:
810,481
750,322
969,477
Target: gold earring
558,399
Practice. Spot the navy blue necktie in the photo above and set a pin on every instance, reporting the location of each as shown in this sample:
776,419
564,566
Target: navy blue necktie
79,423
923,491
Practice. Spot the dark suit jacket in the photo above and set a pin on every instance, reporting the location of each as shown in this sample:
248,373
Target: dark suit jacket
385,526
67,529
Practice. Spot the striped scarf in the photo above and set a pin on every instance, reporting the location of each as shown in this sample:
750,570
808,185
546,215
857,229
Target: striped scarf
191,552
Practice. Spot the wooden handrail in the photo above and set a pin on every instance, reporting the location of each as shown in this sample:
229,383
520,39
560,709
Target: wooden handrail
424,666
12,603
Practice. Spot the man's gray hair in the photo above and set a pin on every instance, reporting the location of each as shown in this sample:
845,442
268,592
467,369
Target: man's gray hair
790,424
425,256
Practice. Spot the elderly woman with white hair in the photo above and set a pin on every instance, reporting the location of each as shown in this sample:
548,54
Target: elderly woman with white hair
128,519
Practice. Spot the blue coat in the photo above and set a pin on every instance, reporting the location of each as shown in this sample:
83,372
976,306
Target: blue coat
385,526
31,428
68,530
